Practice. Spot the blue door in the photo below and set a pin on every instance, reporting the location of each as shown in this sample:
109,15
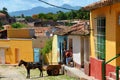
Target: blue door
36,54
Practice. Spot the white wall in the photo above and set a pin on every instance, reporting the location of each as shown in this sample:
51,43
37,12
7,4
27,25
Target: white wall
86,49
76,49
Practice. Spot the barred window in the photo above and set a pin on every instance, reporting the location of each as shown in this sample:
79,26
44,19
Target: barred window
100,37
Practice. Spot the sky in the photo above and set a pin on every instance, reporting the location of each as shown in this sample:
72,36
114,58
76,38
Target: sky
17,5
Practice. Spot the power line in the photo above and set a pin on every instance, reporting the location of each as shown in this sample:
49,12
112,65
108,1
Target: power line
54,5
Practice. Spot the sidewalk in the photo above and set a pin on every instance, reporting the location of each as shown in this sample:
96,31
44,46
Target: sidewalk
74,72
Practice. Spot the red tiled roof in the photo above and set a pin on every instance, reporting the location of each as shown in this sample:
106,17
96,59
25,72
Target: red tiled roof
62,30
100,3
2,15
77,29
40,31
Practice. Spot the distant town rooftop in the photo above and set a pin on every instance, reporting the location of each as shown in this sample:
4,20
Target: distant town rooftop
2,15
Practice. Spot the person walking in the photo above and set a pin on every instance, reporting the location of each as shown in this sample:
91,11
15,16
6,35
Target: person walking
68,56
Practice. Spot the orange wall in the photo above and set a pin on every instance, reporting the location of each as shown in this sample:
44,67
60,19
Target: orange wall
112,31
23,47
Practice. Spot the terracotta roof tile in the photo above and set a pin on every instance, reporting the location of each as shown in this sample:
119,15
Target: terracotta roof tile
62,30
77,29
100,3
40,31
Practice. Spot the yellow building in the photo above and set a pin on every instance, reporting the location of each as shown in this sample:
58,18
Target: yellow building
16,46
105,40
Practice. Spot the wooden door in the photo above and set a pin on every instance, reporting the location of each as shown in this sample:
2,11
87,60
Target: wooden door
36,54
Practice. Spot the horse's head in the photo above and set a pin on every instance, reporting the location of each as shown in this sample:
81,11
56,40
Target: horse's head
20,63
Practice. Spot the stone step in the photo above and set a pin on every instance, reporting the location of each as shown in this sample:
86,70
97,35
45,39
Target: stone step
93,78
113,75
109,78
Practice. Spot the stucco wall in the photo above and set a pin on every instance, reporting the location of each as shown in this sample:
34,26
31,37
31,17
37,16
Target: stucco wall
117,14
96,68
24,47
76,49
86,48
55,50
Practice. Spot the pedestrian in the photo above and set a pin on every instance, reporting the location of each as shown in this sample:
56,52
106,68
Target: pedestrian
68,56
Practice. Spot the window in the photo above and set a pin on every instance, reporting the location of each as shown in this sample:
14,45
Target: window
100,38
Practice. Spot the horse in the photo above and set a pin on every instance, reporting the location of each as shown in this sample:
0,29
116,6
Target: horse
31,65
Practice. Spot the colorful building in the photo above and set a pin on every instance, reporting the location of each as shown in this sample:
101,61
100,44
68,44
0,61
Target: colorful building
58,44
105,40
75,37
38,44
58,48
16,44
78,39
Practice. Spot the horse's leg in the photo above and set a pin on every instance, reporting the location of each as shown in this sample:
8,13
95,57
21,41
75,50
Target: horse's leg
28,73
41,72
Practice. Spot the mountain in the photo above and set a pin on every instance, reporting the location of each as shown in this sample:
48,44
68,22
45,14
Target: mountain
39,9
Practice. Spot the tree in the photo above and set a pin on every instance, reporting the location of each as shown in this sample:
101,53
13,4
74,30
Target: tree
49,16
71,15
61,15
18,25
4,11
42,16
29,18
35,16
82,14
48,47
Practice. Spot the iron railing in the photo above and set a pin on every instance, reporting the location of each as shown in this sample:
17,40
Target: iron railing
104,68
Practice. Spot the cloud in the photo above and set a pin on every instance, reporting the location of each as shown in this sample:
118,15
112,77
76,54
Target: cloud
16,5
